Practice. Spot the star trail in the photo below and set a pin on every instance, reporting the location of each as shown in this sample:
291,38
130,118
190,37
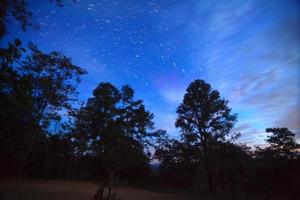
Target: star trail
248,50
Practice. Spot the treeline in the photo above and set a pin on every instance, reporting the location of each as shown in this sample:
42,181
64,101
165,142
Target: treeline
43,135
208,159
112,137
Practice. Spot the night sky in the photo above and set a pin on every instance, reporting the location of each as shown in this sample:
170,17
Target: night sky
248,50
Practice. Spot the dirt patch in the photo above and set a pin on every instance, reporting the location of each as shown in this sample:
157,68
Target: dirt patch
67,190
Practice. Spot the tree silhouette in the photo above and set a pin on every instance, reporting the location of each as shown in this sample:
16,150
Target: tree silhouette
36,87
54,80
18,9
15,109
115,129
204,119
282,142
179,161
277,165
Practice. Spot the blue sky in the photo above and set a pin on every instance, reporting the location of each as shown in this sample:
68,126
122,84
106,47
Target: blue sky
248,50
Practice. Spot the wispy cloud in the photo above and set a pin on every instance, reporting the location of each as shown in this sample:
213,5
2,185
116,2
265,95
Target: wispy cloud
166,121
254,61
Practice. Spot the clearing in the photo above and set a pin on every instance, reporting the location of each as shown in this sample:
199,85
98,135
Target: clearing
32,189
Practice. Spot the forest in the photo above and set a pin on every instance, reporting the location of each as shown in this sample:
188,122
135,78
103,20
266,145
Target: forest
111,138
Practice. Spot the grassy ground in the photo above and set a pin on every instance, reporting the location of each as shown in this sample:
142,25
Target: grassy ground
66,190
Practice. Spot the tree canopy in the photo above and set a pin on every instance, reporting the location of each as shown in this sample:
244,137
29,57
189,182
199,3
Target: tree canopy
282,142
19,11
35,87
203,115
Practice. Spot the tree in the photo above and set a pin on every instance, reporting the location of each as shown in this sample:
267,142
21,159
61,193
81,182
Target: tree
178,162
18,9
54,78
117,128
204,116
277,165
15,109
35,88
204,119
282,141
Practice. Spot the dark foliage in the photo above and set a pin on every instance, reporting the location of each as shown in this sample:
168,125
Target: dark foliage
19,11
115,131
34,89
206,159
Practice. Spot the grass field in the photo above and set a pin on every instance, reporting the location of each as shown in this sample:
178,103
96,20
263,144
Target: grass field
66,190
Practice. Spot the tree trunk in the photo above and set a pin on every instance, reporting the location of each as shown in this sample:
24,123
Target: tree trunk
232,191
210,182
207,167
99,194
35,127
68,173
110,184
26,153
